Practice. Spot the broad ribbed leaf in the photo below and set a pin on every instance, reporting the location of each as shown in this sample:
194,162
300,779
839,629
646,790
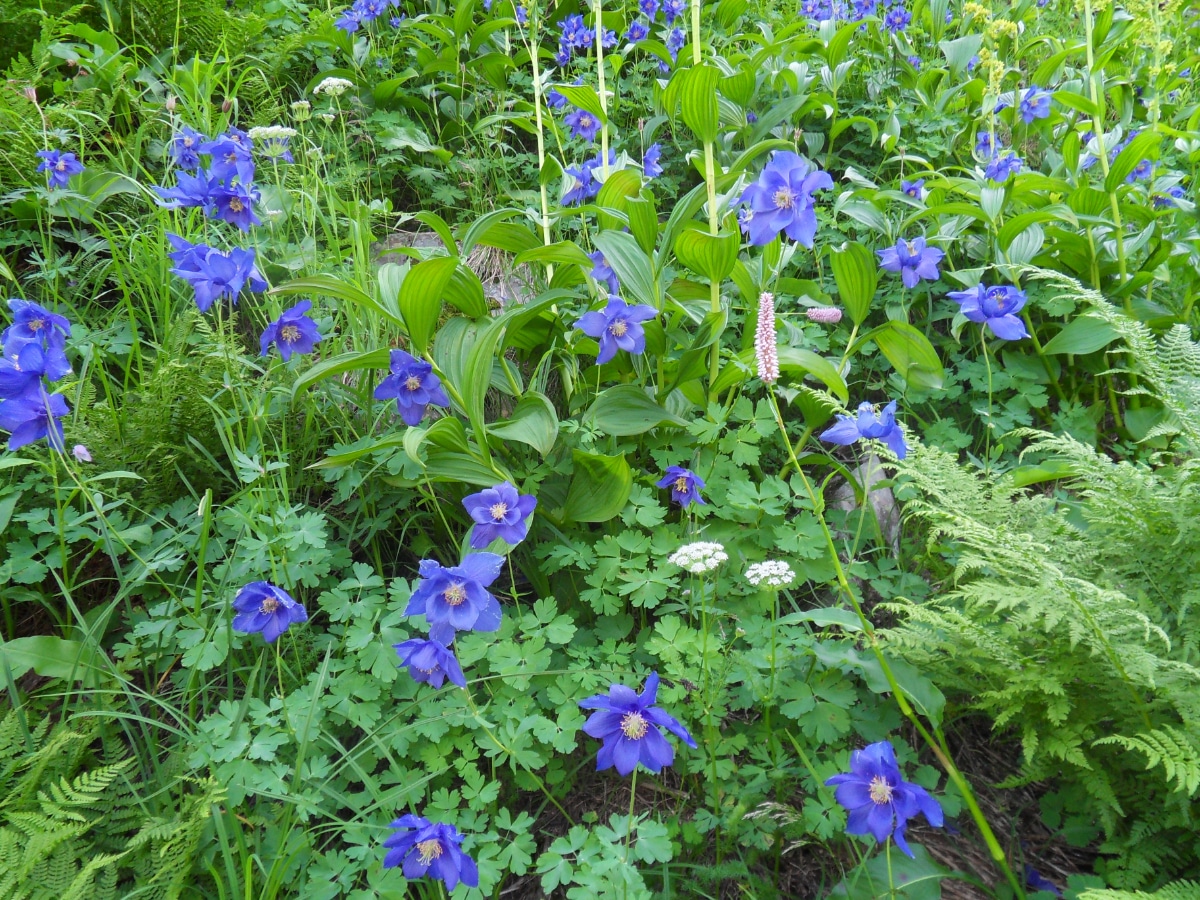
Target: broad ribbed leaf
712,257
532,422
626,410
600,487
856,270
698,101
421,297
910,352
631,264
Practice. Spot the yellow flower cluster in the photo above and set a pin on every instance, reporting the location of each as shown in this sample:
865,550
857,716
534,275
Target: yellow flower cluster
976,11
993,67
1002,28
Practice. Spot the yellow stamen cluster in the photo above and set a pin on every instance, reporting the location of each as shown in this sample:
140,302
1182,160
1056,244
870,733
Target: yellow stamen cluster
429,850
412,383
880,790
634,726
289,333
269,605
499,510
455,595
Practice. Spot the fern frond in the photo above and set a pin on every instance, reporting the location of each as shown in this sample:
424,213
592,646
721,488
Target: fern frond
1168,748
1176,890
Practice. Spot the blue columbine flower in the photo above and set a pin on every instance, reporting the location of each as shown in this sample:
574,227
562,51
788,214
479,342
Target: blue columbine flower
370,10
1142,170
59,167
637,32
986,145
649,8
915,62
423,848
897,19
1168,198
22,370
232,157
582,124
1034,880
584,184
413,386
996,307
456,598
1003,167
430,662
673,9
782,200
34,324
499,512
685,485
869,424
603,272
1035,104
913,260
914,189
31,417
235,205
185,148
617,327
650,166
292,332
261,606
879,801
555,100
630,726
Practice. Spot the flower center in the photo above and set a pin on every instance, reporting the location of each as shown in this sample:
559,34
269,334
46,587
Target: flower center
618,328
880,791
909,245
232,157
498,510
236,205
455,594
429,851
681,484
37,324
1000,299
290,333
412,383
427,671
585,122
61,165
634,726
784,198
269,605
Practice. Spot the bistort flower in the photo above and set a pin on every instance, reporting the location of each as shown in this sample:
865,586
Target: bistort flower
413,386
423,848
431,662
630,726
685,485
914,260
766,351
261,606
617,327
996,307
869,424
499,512
782,200
456,598
879,801
292,332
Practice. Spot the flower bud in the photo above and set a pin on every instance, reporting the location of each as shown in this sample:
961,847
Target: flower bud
826,315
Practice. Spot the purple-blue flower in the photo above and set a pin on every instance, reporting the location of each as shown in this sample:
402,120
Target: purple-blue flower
261,606
34,324
986,145
913,260
685,485
897,18
423,848
413,386
915,62
584,184
1034,880
292,332
869,424
879,801
617,327
1035,104
456,598
235,205
630,727
914,189
782,200
214,275
636,32
1003,167
232,157
430,662
996,307
499,512
650,166
582,124
603,272
189,191
22,370
349,21
675,41
370,10
555,100
185,148
1142,170
58,166
31,417
649,7
673,9
1168,198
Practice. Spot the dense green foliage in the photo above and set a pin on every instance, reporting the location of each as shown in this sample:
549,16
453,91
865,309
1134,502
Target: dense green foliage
1032,584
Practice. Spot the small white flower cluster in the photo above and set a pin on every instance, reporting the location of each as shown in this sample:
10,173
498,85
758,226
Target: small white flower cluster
271,133
334,87
700,557
772,573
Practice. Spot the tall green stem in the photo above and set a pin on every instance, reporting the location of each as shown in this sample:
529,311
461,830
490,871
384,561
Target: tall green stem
601,89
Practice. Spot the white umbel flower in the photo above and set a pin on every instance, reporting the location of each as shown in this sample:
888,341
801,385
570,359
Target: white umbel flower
700,557
334,87
271,133
772,573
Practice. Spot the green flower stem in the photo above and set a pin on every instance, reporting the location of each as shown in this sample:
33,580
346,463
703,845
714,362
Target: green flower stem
533,46
994,848
987,433
601,90
512,757
632,803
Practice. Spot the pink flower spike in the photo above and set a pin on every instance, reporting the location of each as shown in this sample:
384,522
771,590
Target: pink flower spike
826,315
765,350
